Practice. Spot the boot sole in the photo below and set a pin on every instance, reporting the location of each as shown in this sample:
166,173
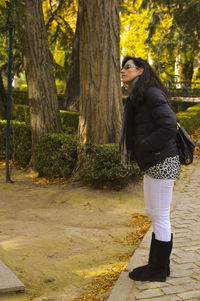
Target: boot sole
151,280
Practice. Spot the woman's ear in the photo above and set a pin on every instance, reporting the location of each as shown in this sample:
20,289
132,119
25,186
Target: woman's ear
140,71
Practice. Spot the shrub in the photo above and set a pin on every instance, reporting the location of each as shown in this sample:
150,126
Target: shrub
179,106
102,166
2,139
69,120
20,97
190,119
56,155
20,142
21,113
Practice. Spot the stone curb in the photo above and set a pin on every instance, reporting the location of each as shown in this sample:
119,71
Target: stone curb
8,281
124,284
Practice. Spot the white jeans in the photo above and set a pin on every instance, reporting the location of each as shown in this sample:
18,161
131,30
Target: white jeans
158,196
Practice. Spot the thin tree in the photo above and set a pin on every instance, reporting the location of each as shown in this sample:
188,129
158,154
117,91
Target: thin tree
72,91
3,100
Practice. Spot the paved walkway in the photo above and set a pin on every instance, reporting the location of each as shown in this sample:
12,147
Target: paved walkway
184,281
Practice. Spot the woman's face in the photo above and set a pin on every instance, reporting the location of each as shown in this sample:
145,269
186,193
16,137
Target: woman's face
130,71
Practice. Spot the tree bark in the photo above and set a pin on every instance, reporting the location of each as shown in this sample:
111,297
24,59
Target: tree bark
3,99
100,90
187,67
44,110
72,92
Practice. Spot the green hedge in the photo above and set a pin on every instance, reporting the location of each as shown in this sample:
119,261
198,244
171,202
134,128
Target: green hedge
56,155
69,120
20,142
20,113
2,139
102,166
190,119
21,97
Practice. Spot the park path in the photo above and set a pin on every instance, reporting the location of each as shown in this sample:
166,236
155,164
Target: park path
184,281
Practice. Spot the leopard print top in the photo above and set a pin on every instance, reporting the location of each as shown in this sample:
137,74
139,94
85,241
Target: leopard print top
168,169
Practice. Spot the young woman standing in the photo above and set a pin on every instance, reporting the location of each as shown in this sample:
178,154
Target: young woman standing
148,137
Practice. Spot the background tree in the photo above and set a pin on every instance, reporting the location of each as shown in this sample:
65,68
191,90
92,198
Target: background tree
145,33
60,19
44,111
5,11
183,35
3,99
72,91
100,90
134,31
3,24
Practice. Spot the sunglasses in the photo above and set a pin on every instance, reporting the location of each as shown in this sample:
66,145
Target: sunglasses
128,66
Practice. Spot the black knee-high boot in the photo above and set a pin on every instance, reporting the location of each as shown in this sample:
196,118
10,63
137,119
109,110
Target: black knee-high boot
151,257
157,268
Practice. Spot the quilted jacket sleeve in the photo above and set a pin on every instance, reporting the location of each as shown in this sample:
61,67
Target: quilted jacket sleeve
163,118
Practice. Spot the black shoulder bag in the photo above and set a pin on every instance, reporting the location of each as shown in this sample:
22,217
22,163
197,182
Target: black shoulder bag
185,146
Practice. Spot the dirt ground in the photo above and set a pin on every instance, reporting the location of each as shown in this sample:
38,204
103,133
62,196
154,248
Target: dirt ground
58,237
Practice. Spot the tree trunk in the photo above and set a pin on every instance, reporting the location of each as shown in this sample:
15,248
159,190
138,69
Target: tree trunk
3,99
188,70
187,55
72,92
100,90
44,110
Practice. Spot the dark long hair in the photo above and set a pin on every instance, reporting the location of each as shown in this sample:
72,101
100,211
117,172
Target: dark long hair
147,79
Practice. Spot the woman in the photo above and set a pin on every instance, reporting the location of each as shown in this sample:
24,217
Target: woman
148,136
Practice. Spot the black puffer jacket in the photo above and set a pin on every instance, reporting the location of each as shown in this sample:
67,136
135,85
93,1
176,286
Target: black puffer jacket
154,127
